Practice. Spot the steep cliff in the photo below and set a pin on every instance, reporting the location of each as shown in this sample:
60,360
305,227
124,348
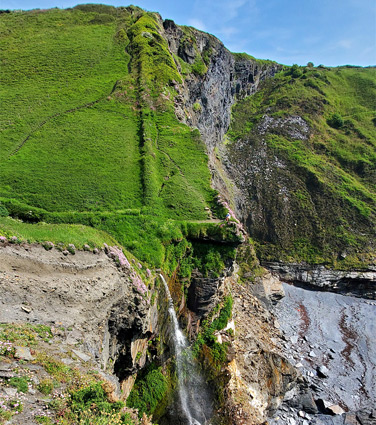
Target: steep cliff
136,125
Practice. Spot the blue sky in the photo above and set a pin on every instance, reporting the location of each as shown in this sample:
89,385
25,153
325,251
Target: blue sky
328,32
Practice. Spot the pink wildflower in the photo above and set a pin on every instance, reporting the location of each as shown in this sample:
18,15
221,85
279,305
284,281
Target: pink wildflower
139,285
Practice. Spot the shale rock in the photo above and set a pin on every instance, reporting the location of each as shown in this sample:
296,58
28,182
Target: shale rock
356,283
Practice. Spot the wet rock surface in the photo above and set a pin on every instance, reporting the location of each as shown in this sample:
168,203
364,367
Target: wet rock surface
331,339
203,294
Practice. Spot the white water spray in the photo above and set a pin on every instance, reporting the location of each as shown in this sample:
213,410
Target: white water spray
194,398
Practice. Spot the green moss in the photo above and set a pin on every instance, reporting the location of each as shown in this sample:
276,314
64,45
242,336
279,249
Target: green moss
206,344
148,391
246,258
211,259
199,67
197,107
150,55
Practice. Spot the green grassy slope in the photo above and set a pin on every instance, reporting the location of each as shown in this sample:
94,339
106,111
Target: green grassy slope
335,164
88,125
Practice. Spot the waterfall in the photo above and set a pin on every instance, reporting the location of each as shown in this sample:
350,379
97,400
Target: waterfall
194,397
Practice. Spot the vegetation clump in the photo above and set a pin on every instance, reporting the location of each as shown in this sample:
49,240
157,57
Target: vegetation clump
149,389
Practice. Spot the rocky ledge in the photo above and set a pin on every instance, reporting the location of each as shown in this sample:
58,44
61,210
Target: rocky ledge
358,283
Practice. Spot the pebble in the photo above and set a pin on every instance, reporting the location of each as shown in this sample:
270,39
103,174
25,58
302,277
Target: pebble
294,339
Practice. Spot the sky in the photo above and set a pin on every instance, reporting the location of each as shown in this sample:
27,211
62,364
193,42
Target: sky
327,32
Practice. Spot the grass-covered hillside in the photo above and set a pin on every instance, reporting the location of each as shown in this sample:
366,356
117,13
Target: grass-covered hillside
88,129
89,136
305,150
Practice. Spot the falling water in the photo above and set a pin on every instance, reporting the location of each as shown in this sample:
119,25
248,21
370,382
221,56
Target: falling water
194,396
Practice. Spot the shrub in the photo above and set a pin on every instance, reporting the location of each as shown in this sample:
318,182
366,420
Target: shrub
48,245
71,248
295,71
20,383
335,121
46,386
3,211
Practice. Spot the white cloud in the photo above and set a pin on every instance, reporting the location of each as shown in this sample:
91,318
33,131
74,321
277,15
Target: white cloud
346,43
228,31
197,23
231,8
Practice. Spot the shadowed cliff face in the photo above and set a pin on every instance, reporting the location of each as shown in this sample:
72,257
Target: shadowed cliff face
281,165
205,101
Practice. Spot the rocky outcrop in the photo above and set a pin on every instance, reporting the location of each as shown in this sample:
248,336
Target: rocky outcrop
106,316
361,283
259,375
204,294
227,78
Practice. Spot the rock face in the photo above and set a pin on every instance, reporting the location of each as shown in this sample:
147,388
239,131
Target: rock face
106,316
259,375
204,294
358,283
226,79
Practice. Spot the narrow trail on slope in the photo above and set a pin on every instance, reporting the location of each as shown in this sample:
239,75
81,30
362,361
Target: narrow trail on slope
58,114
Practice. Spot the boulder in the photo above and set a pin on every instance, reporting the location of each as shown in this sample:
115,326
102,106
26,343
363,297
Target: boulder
23,353
335,410
84,357
322,371
350,419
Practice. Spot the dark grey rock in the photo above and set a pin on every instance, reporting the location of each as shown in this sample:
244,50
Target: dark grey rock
357,283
